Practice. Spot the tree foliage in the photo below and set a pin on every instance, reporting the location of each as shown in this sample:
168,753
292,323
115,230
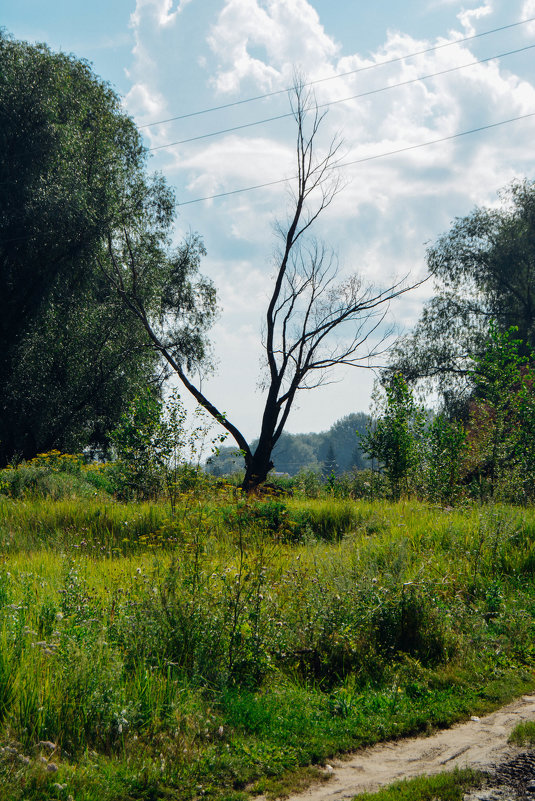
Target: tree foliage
157,449
444,453
394,437
484,269
491,455
502,418
73,177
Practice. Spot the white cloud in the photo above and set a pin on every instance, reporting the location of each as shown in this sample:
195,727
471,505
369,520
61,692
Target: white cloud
163,12
264,40
389,208
528,11
233,163
149,21
466,16
142,101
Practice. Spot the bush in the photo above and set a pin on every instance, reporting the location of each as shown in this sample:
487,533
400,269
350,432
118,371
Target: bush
405,621
54,475
207,624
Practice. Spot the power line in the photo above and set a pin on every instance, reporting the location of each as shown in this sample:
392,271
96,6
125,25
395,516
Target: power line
342,100
339,75
367,158
343,164
339,166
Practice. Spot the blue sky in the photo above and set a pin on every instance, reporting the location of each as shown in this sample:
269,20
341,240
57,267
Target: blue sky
172,57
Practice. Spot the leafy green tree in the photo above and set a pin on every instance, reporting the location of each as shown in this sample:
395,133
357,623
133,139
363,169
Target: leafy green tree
157,449
330,466
526,435
394,437
73,178
444,445
344,435
484,269
71,373
137,439
502,416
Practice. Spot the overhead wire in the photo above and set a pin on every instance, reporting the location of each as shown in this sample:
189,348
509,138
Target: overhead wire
353,97
408,82
375,157
341,74
362,160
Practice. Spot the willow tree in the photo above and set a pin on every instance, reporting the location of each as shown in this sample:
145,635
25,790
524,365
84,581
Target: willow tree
484,271
73,177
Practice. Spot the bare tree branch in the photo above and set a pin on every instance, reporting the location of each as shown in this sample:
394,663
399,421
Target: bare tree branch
310,305
135,304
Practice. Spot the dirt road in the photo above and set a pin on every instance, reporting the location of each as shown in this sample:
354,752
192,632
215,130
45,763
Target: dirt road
478,743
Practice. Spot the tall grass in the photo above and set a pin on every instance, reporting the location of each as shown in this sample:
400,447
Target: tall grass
231,642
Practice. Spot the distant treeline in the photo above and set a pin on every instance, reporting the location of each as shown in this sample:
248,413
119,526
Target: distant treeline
336,450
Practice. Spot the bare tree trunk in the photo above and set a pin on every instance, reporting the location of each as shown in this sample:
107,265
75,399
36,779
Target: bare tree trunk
257,470
308,302
258,465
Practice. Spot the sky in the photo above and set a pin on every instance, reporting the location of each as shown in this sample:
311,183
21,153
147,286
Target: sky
172,58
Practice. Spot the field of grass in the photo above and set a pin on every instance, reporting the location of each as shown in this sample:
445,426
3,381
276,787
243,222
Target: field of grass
223,650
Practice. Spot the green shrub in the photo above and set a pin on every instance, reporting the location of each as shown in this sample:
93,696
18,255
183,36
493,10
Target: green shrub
269,516
327,520
56,476
406,621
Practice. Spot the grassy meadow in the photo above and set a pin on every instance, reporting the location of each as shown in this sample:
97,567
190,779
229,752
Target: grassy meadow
224,647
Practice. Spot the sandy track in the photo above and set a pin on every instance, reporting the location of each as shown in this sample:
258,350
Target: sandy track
478,744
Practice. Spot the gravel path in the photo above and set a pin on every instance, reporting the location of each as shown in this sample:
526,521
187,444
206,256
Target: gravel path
480,743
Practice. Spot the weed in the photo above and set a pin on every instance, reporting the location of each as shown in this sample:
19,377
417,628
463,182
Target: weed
523,733
206,651
443,787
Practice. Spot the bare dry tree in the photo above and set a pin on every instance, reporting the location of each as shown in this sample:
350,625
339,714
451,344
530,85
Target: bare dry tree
314,320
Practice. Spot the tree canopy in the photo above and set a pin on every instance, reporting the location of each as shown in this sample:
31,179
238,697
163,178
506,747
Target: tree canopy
73,172
484,270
